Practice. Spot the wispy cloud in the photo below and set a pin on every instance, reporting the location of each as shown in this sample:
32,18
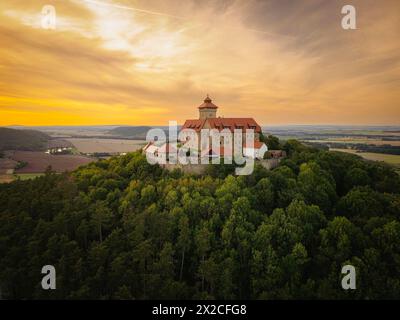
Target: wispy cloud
145,62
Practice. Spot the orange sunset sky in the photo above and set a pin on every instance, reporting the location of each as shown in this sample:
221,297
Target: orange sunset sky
147,62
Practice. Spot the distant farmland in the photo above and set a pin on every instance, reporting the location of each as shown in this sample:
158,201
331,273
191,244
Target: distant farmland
38,162
358,141
5,178
388,158
6,165
106,145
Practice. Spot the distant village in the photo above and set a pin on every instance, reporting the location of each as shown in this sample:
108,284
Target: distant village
70,150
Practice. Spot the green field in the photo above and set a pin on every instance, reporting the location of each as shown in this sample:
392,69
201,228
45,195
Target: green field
7,178
388,158
27,176
377,142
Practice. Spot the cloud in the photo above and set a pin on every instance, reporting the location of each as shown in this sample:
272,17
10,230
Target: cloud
147,62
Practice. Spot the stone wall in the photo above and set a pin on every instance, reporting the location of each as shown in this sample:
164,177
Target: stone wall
270,163
201,168
188,168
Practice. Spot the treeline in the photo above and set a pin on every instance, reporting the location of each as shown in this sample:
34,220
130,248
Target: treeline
385,148
123,229
362,147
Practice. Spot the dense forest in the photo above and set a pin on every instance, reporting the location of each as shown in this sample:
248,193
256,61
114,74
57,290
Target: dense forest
123,229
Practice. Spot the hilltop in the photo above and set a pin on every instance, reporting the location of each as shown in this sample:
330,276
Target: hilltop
130,132
29,140
124,229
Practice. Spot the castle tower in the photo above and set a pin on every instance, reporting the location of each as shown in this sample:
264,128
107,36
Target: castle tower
207,109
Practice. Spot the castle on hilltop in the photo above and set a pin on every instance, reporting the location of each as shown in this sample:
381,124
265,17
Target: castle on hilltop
208,120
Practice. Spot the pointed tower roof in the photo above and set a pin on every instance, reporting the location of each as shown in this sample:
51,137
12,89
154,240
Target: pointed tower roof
208,104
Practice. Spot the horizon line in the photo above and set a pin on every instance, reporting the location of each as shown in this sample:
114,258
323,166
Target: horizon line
166,125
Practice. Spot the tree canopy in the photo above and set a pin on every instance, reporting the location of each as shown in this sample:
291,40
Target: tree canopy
124,229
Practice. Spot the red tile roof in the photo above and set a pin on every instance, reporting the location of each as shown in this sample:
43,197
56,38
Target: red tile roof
194,124
234,123
223,123
208,104
257,145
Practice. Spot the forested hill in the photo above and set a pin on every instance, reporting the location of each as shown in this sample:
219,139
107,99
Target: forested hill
130,132
31,140
123,229
134,132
